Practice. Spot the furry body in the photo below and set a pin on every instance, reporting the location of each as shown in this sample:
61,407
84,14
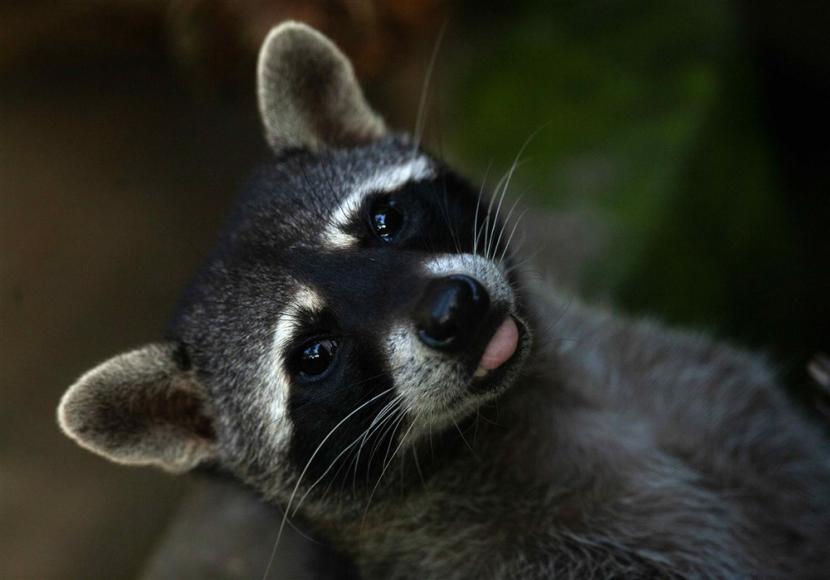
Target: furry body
629,451
332,353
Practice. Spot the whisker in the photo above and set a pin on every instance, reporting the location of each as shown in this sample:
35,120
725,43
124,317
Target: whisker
464,439
512,170
418,465
390,430
383,472
478,206
305,469
420,118
389,410
486,224
505,224
506,183
446,213
319,479
510,237
390,414
352,385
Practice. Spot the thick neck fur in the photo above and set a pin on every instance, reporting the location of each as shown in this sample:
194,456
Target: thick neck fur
627,450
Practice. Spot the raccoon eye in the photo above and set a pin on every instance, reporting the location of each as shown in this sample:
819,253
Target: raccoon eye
315,358
386,219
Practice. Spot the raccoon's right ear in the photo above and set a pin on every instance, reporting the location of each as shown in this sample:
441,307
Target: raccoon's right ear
308,94
144,407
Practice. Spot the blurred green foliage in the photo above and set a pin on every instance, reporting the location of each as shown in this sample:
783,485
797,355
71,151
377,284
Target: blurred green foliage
647,111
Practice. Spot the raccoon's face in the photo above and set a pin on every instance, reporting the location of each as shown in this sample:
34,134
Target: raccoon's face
362,298
370,310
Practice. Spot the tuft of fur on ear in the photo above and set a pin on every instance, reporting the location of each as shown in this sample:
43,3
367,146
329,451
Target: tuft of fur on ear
141,408
308,94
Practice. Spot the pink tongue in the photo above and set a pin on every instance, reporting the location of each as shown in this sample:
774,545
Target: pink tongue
502,345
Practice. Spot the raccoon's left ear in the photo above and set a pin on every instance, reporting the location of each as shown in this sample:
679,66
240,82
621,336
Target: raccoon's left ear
308,94
143,407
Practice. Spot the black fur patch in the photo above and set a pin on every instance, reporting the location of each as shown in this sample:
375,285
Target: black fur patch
271,246
331,417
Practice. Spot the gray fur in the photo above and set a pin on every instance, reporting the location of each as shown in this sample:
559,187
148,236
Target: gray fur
308,95
617,449
140,408
629,451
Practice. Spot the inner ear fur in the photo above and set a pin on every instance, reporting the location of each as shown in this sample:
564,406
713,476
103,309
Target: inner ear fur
308,95
143,407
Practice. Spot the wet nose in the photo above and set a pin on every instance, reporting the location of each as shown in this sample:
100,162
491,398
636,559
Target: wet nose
450,311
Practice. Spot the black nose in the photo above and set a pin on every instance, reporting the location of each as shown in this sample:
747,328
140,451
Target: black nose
450,311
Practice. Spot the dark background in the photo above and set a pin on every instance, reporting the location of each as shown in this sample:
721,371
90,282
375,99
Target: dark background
692,137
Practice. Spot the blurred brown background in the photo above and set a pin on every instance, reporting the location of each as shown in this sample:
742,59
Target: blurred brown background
695,133
125,129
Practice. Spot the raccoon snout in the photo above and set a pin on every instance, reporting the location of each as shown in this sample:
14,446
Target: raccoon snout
450,311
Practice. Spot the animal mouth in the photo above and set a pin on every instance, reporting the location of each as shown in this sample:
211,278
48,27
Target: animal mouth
503,352
501,348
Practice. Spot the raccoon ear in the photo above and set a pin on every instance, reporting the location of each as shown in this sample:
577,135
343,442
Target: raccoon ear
141,408
308,94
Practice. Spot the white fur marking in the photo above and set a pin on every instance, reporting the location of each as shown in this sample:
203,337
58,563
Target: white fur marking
305,299
389,179
488,272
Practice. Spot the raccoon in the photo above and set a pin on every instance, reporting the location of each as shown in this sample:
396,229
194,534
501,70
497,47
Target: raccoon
364,348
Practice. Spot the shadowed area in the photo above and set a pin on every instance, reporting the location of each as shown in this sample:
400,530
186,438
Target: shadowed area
113,186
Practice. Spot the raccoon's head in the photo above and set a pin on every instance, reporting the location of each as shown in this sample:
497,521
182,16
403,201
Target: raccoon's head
361,298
